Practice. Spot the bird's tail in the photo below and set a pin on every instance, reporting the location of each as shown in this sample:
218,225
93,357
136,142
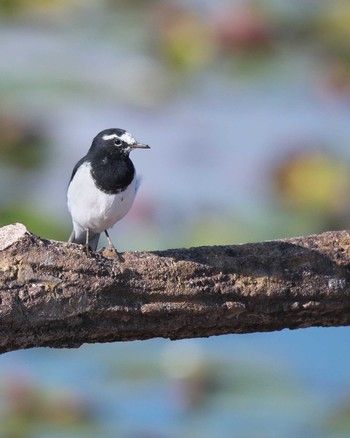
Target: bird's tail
81,238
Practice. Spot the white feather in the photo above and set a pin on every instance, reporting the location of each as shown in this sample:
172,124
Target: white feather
128,138
109,136
93,209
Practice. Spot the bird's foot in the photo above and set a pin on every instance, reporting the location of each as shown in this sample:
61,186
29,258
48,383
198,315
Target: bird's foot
111,250
111,253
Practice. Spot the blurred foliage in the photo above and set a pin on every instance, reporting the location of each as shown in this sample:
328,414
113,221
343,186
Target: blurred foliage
183,39
22,143
217,229
315,182
333,25
30,411
18,7
248,28
196,381
335,76
35,220
187,37
135,4
338,422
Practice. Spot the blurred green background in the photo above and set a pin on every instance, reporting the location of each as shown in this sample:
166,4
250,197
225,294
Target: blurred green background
246,106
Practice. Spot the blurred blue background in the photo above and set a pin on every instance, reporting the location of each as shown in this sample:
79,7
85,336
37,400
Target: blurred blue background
246,106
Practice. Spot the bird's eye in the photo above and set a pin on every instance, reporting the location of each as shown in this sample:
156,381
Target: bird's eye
117,142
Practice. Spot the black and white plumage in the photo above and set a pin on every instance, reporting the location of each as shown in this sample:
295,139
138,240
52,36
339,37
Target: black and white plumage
103,186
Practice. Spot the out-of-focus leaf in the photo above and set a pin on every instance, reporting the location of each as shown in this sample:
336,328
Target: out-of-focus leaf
32,411
22,144
313,181
37,223
184,41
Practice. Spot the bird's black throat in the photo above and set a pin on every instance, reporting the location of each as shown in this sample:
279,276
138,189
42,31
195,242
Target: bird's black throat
111,170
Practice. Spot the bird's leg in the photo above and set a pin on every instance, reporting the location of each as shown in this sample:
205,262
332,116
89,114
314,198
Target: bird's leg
87,241
112,249
110,243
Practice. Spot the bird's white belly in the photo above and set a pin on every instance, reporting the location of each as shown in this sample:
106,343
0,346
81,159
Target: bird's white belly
93,209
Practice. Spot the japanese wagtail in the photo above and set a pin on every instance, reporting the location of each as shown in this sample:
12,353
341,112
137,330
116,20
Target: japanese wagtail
102,187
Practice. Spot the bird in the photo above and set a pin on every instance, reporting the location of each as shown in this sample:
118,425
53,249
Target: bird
102,187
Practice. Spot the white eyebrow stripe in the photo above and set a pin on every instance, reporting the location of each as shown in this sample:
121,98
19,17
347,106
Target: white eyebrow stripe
128,138
109,136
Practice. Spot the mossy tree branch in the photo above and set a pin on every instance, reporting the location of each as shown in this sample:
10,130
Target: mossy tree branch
52,294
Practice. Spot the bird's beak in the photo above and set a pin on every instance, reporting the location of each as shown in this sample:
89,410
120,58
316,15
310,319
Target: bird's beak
138,145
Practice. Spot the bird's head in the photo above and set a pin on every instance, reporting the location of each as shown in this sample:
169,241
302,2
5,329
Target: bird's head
117,140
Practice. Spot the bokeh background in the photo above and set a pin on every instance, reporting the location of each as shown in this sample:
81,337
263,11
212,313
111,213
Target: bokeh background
246,106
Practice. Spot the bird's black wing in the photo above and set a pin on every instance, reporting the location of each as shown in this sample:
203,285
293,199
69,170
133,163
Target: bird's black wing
76,167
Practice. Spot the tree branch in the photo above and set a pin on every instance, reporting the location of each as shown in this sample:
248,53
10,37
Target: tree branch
53,294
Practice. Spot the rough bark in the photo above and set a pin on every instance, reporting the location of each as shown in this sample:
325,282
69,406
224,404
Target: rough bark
53,294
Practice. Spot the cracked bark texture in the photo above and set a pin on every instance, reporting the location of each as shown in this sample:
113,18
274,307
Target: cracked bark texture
52,294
